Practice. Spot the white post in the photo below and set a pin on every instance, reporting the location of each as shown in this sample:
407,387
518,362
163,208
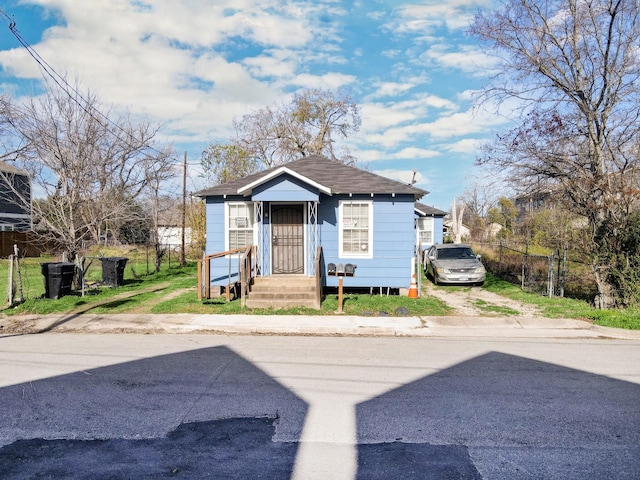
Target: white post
10,282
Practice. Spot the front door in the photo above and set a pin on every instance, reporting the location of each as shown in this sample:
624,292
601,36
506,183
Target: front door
287,238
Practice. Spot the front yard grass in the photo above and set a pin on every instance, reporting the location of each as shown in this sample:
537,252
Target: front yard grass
174,290
559,307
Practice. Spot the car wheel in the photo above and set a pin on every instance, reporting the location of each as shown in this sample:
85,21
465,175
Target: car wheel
479,284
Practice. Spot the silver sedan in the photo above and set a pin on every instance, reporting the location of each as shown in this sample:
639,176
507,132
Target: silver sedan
454,263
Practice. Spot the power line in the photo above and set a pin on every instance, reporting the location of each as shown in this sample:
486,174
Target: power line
66,88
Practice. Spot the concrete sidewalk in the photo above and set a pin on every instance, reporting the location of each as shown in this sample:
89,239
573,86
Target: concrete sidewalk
333,325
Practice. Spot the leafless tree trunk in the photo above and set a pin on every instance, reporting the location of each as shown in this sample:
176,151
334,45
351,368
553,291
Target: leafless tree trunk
457,213
575,68
88,171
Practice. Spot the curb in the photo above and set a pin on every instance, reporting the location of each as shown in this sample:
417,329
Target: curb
503,327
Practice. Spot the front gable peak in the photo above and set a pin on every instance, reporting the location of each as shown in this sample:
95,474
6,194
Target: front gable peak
270,175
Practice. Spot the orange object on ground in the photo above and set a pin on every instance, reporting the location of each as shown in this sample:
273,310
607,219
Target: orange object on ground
413,289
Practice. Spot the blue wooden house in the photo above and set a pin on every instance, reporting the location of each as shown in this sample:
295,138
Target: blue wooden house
305,220
429,226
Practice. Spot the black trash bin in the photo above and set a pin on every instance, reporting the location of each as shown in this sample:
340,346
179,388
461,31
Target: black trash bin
58,278
113,270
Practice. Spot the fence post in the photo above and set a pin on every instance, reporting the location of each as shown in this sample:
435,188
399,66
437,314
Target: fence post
199,280
524,260
562,273
550,275
10,281
17,260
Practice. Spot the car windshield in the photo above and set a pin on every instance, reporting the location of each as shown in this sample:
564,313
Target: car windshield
455,253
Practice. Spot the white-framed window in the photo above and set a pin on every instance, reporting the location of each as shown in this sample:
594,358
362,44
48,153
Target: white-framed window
426,236
356,229
425,230
239,225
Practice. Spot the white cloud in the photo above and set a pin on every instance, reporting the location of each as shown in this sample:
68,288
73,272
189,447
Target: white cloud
194,65
468,58
424,17
466,145
415,153
331,80
386,89
404,176
366,156
279,63
180,61
378,116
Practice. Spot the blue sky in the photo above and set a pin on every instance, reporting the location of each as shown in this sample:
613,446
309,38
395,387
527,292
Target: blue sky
196,65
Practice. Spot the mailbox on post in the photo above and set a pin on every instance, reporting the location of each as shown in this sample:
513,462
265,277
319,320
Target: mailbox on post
341,270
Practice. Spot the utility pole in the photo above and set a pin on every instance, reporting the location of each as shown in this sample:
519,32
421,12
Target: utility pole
184,209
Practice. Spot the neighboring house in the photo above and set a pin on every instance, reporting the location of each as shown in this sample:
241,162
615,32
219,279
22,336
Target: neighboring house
447,224
289,211
528,203
15,199
170,228
429,226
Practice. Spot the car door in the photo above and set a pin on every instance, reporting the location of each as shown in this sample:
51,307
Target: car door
430,253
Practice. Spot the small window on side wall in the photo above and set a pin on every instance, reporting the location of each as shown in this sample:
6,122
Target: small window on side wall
239,225
356,229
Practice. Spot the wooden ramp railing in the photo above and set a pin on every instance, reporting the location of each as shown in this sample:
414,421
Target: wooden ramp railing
245,271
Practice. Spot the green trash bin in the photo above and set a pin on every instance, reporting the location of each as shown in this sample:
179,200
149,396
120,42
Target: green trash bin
58,278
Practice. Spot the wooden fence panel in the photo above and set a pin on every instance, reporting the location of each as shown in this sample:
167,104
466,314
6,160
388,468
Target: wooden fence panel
27,246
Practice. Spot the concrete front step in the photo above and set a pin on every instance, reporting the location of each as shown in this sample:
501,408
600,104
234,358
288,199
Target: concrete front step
285,280
271,303
283,295
283,291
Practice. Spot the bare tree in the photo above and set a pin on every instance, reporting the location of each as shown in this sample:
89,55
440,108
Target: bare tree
575,68
222,163
87,169
310,125
479,198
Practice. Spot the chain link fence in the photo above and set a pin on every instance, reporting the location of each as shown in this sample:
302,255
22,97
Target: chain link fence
559,273
22,277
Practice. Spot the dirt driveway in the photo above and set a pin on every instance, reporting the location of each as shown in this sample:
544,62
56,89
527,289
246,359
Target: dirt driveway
477,302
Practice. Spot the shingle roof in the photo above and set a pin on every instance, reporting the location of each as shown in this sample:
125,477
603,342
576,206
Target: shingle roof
426,210
339,178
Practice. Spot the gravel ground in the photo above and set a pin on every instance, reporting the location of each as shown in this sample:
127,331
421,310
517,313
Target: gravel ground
477,302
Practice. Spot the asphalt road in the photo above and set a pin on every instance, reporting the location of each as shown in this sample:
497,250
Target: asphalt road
115,406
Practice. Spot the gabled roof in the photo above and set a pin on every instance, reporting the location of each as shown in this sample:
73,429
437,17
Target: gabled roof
329,176
6,168
273,173
427,211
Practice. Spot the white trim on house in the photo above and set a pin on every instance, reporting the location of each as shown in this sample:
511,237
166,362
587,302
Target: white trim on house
305,236
250,211
425,225
246,190
366,252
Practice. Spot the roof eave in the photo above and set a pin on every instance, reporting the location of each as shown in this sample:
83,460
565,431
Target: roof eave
247,189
